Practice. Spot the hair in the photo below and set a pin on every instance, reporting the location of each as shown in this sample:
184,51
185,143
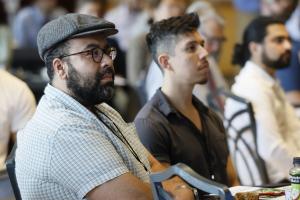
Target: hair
3,14
256,32
55,52
163,34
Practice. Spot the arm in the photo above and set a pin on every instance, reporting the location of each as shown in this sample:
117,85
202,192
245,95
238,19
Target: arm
89,164
124,187
158,144
23,108
233,180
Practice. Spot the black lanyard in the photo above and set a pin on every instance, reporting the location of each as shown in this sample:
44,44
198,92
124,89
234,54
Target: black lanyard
120,136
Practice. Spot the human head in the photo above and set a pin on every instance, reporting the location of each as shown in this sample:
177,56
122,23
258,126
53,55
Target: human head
281,9
264,39
134,5
163,9
79,75
212,29
95,8
177,35
47,6
212,26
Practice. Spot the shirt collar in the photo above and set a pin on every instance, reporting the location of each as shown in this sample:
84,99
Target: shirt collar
166,107
259,72
65,99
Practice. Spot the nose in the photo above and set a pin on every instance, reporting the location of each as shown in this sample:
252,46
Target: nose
202,52
288,44
106,61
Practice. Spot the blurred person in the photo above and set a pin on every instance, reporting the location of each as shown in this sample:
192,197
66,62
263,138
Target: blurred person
174,125
125,15
266,48
287,10
212,30
6,43
289,76
17,107
246,11
138,57
96,8
281,9
76,146
30,19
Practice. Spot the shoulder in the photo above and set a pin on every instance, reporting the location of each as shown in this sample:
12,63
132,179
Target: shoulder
25,13
150,111
12,84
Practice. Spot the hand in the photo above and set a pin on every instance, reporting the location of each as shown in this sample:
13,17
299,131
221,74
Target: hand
183,192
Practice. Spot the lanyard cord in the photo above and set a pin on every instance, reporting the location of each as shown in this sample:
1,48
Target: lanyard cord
121,137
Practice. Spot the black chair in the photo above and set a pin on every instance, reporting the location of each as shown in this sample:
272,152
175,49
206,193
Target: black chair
10,167
189,176
242,139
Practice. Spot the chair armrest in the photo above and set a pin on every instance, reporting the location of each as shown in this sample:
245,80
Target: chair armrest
190,177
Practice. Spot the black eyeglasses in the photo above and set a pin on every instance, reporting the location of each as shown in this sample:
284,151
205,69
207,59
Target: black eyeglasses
97,53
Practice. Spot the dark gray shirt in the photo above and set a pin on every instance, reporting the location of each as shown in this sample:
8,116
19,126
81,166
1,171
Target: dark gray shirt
173,138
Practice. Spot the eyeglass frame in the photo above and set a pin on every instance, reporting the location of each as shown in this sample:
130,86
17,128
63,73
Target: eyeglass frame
91,52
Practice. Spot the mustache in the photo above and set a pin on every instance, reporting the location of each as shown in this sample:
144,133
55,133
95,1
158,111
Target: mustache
287,53
105,71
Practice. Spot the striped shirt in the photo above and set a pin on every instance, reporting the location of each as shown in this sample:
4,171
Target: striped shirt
65,151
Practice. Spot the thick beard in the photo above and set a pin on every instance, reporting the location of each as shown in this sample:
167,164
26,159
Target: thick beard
88,90
280,63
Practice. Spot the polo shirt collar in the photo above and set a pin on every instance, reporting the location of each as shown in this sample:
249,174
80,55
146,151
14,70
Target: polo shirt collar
166,107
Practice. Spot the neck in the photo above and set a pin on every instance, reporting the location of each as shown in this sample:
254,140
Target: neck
179,95
266,68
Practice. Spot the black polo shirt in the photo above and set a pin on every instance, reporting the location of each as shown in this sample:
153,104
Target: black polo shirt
173,138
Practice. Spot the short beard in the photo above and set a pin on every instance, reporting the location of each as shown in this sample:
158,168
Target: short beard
280,63
88,90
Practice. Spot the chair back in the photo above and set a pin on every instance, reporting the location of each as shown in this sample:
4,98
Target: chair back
240,125
10,167
190,177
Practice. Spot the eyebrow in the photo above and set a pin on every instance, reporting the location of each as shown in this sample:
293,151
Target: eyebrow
92,46
201,42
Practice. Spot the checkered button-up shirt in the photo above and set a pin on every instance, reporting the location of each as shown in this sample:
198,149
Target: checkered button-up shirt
65,151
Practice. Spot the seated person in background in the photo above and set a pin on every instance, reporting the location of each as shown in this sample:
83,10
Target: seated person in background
289,77
174,125
30,19
76,146
17,105
265,48
98,8
212,30
92,7
138,57
6,41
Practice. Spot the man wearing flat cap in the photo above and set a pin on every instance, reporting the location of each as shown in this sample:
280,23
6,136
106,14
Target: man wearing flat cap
76,146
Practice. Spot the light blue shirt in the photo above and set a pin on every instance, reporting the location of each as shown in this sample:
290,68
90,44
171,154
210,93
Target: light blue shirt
26,26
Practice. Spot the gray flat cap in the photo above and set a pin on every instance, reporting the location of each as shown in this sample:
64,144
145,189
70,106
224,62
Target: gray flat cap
71,26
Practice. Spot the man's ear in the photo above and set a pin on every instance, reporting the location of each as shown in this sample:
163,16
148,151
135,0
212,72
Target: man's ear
163,60
253,47
60,68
